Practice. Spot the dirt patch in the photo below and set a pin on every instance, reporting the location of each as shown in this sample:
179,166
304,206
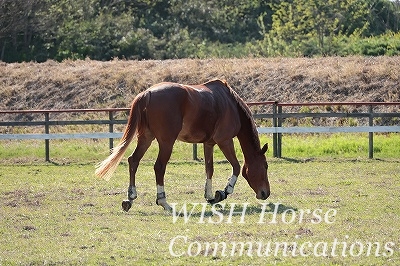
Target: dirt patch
19,198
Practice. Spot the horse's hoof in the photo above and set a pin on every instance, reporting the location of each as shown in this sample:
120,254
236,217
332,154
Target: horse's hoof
211,201
126,205
168,208
219,196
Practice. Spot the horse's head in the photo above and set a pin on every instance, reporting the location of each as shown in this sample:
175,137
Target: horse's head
255,172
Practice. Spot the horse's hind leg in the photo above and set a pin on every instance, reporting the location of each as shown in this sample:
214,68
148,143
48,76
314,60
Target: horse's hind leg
144,142
209,165
164,154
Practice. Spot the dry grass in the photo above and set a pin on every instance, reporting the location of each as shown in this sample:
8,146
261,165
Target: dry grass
94,84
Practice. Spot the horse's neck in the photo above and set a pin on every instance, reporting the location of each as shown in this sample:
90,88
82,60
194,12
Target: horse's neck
247,135
248,140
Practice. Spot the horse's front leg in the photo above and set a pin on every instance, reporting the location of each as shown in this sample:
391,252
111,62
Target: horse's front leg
209,165
165,150
228,149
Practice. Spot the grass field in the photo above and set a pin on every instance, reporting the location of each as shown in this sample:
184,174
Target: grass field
305,146
333,210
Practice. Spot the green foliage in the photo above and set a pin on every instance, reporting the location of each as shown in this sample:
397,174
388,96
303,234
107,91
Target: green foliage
387,44
102,30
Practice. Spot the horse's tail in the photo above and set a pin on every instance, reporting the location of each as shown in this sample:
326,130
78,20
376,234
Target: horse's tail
106,168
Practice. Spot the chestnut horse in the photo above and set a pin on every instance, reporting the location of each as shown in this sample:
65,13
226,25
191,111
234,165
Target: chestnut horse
210,113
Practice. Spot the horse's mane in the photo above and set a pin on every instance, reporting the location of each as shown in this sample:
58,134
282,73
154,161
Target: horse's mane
246,111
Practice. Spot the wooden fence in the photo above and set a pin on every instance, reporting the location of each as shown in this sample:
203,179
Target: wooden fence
276,114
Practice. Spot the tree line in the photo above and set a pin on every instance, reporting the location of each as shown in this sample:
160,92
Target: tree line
38,30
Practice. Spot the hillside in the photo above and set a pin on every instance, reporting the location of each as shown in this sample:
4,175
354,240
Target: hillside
94,84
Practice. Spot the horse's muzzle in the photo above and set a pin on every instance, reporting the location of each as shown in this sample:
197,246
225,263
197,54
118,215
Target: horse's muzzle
263,195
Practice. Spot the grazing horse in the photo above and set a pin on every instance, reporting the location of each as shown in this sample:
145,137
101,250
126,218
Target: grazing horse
210,113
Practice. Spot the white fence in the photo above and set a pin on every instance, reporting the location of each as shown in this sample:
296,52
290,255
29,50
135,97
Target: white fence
277,116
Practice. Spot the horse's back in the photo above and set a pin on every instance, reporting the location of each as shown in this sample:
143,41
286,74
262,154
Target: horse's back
192,113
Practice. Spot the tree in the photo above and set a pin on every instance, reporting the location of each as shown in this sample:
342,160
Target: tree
301,24
159,29
383,16
19,29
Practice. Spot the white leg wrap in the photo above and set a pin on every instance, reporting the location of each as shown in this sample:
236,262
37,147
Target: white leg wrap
208,194
231,184
160,189
162,200
132,194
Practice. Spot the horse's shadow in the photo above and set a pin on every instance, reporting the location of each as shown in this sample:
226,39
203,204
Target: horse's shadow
281,208
238,209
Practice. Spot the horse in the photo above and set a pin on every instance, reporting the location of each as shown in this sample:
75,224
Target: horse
211,113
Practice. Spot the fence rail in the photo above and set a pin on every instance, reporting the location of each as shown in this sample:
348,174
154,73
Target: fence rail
47,136
277,115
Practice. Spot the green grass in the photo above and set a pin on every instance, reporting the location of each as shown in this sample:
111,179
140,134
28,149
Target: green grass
61,214
340,145
304,146
58,213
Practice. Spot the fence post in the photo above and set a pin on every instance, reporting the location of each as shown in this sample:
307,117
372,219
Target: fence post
111,129
274,135
195,152
47,131
371,134
279,138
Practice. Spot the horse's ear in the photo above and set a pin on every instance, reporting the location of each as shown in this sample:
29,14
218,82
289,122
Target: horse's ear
264,148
